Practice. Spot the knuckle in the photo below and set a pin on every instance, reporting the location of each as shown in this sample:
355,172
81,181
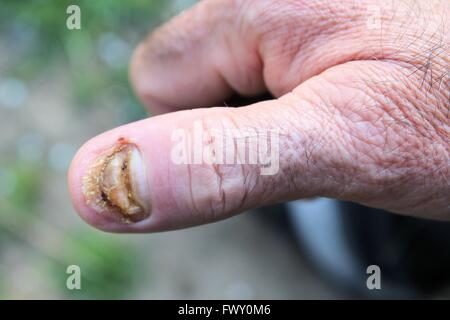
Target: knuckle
397,138
391,149
218,188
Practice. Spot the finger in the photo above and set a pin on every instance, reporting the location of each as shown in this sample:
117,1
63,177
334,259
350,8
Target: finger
197,59
218,47
342,134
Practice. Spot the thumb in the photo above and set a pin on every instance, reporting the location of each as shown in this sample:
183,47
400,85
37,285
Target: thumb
334,135
197,166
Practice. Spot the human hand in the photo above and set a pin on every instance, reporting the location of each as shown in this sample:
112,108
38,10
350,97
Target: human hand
361,113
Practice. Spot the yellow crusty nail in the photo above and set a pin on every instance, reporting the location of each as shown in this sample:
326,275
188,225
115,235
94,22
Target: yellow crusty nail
115,184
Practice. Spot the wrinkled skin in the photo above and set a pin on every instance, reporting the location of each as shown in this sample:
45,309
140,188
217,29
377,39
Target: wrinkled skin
361,103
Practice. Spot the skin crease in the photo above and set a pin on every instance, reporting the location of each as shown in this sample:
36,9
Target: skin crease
362,107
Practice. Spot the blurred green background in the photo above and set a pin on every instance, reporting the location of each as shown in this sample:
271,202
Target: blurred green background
87,70
60,87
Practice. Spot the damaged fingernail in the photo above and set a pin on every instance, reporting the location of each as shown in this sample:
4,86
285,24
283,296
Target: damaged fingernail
115,184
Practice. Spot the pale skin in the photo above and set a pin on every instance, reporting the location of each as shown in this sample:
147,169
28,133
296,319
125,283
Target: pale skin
361,103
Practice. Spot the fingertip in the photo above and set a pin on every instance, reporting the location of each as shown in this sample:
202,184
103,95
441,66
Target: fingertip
75,176
140,78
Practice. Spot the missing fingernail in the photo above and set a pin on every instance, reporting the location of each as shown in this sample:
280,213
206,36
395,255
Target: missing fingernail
115,184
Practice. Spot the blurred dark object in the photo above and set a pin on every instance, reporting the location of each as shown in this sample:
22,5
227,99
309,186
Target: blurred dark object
238,100
341,239
413,253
